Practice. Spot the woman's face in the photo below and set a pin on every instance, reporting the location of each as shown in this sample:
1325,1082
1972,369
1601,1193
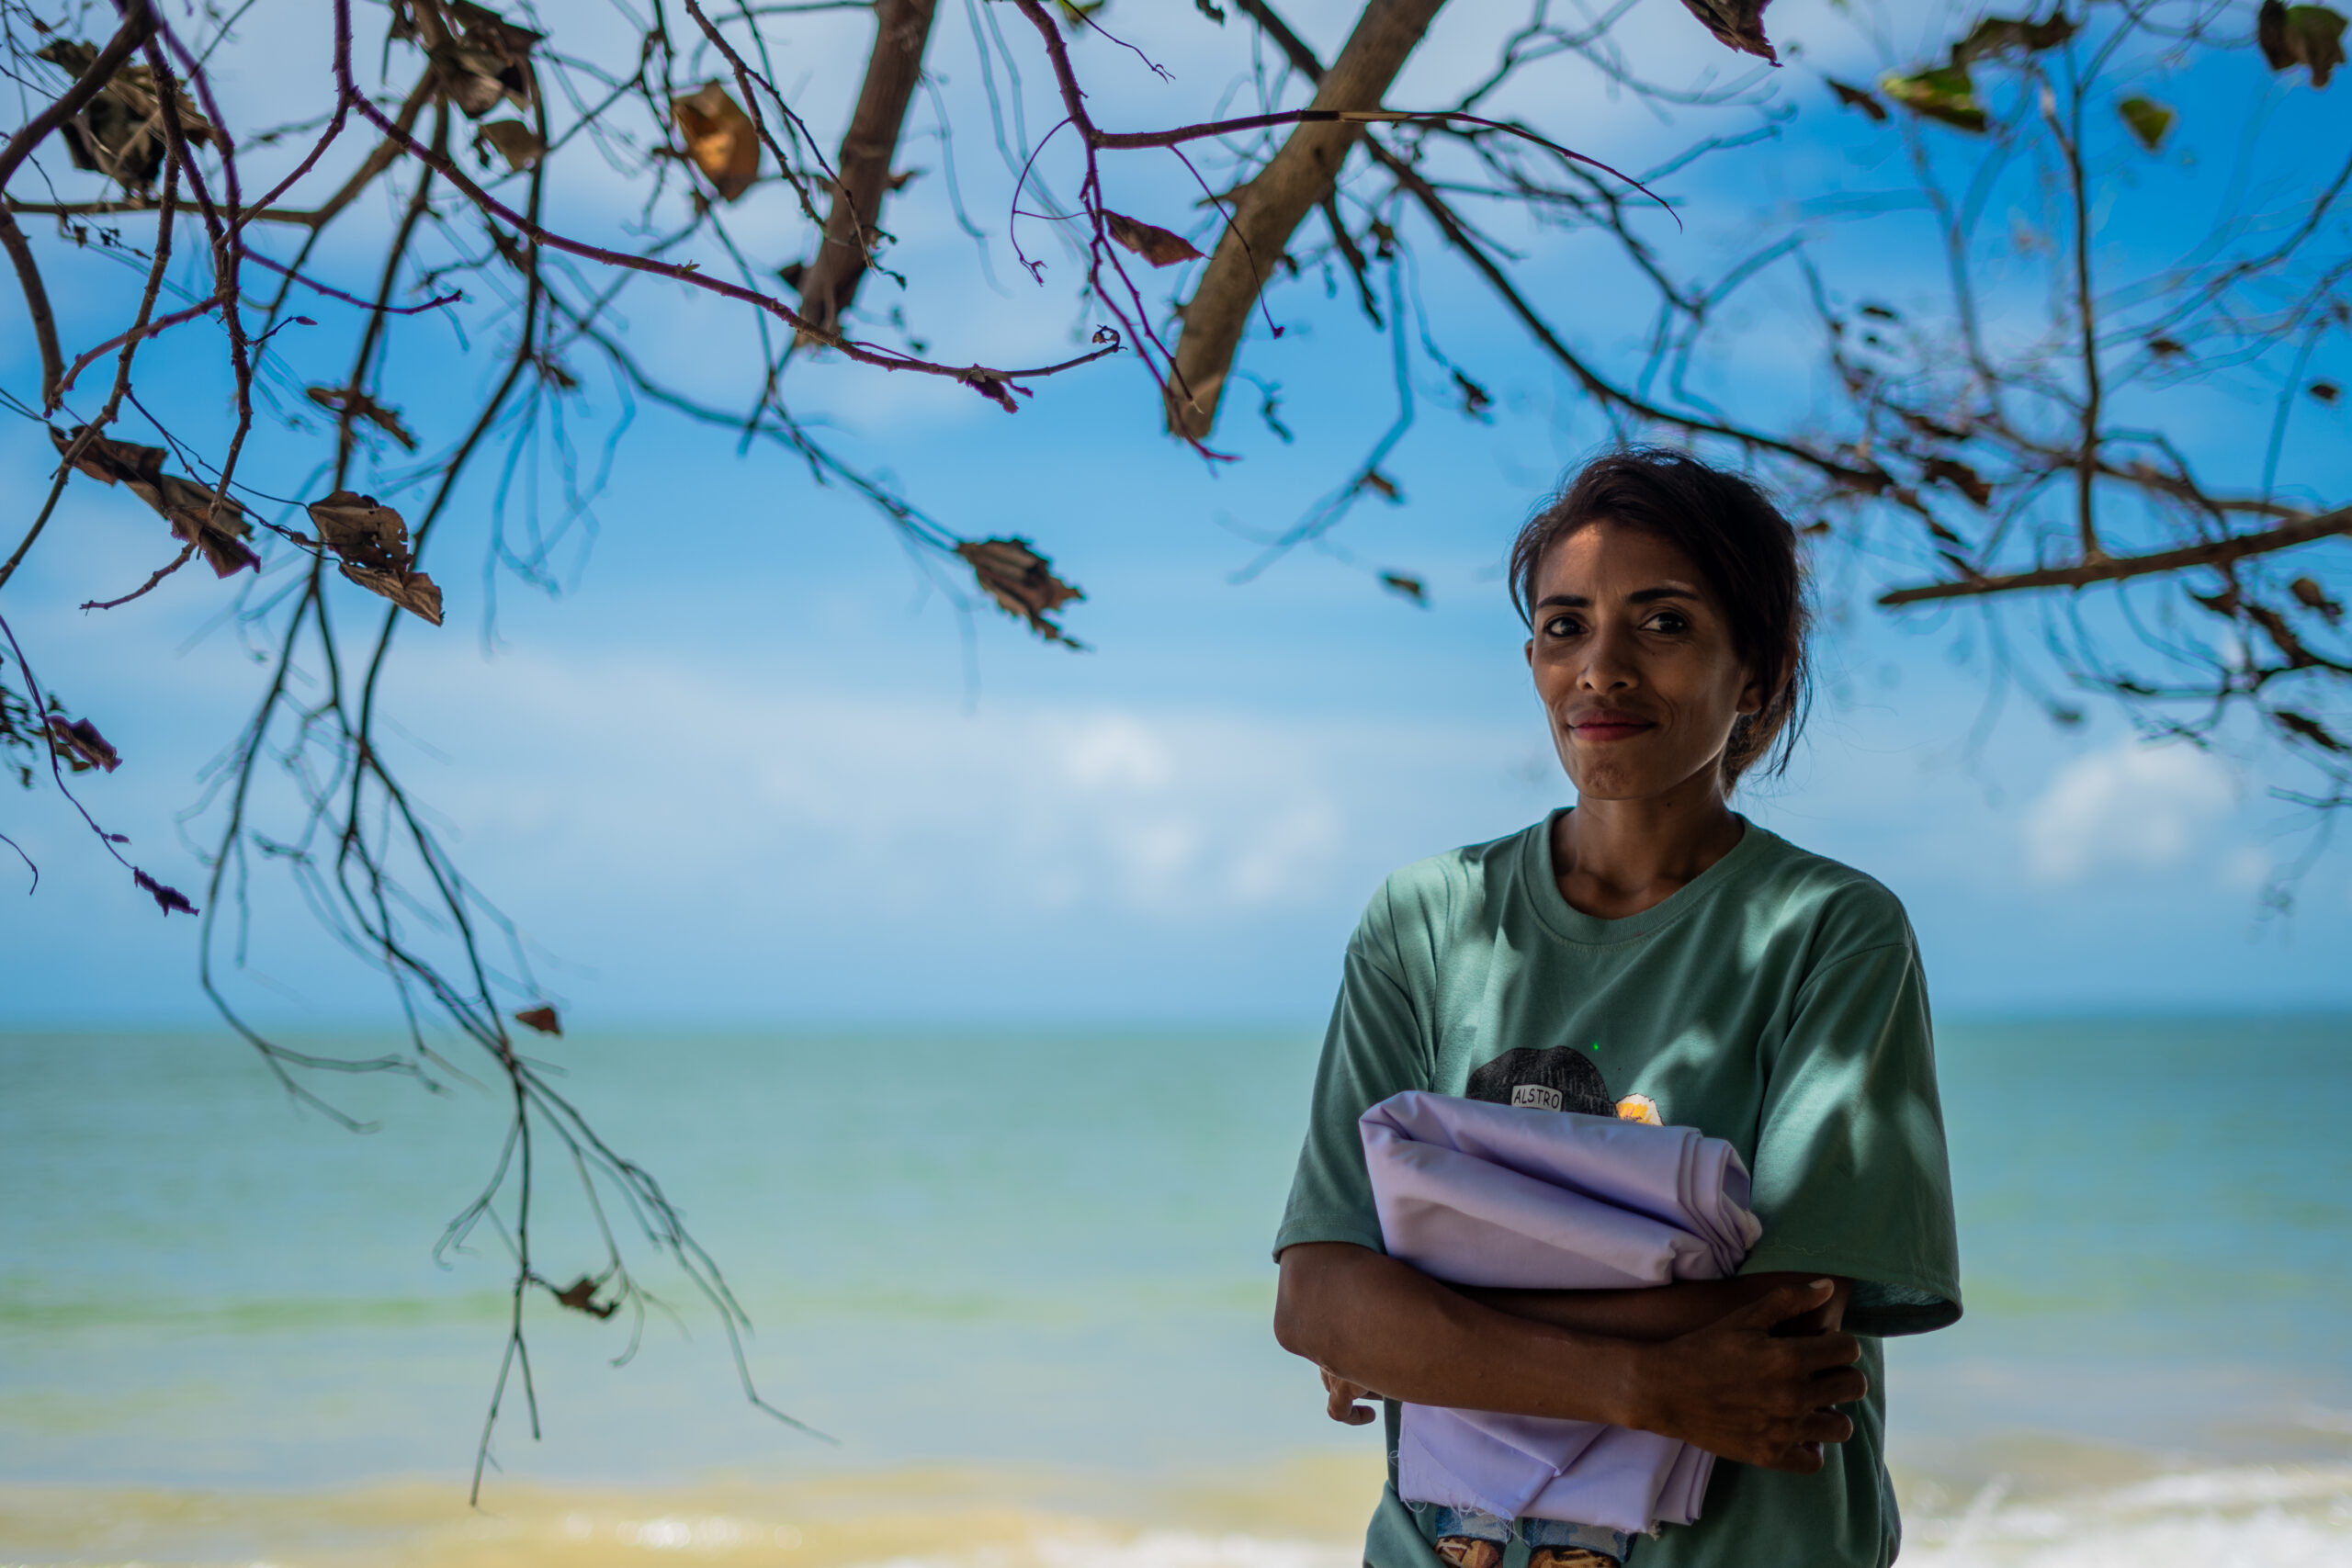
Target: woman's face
1634,664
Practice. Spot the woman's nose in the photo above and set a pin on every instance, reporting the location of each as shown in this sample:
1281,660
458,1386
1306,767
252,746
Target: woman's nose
1606,668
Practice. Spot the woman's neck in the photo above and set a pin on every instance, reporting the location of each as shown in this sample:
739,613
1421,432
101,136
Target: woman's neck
1615,858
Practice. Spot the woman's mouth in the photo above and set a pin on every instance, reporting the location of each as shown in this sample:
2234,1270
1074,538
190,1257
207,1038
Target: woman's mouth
1607,725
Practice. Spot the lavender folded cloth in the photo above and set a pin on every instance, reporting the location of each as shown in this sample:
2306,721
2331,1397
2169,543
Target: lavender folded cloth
1498,1195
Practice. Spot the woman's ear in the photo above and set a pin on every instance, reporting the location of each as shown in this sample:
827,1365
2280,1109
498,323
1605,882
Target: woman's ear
1530,651
1759,694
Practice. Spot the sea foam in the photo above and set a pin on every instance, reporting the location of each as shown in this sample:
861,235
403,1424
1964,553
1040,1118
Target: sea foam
2246,1517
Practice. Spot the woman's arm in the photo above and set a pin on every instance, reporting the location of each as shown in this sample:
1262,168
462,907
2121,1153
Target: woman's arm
1660,1313
1728,1384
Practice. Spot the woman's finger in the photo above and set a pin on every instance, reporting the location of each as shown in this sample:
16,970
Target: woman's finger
1843,1386
1775,1307
1826,1426
1802,1459
1819,1352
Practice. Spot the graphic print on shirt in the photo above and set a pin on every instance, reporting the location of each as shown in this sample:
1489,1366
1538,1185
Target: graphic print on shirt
1558,1077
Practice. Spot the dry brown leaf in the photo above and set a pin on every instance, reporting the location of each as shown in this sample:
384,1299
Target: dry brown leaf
2311,596
119,132
513,141
488,62
1961,477
581,1296
1406,587
1021,581
171,900
412,590
1737,24
1373,479
720,139
218,532
372,541
541,1018
358,405
109,461
362,530
1855,98
1997,34
2310,36
1944,93
83,747
996,388
1155,244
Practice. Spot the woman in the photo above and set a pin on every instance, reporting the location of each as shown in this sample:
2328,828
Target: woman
1717,976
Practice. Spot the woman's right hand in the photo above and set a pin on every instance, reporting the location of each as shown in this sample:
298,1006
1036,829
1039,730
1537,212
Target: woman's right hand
1343,1400
1739,1391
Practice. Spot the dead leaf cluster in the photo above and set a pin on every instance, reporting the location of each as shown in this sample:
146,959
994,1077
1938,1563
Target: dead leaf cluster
479,59
1021,582
2309,36
198,515
119,132
1947,93
372,541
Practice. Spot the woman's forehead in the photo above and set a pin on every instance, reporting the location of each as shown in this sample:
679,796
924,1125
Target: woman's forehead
1607,555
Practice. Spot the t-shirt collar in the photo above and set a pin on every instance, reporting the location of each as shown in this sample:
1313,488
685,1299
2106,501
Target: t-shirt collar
1566,920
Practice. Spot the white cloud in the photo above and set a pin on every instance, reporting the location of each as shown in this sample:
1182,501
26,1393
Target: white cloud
2130,804
895,803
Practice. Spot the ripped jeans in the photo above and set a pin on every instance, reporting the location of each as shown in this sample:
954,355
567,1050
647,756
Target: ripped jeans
1481,1526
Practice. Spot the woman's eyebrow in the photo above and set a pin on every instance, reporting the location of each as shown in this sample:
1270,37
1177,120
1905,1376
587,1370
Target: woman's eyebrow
1638,596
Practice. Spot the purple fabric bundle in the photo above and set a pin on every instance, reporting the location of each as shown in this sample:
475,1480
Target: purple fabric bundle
1500,1195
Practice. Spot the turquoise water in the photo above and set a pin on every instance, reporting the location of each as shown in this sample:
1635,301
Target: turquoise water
1050,1252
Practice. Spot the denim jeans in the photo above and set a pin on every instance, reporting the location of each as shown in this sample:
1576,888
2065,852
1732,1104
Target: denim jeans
1481,1526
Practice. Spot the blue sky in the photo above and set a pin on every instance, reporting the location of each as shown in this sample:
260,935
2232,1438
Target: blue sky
741,769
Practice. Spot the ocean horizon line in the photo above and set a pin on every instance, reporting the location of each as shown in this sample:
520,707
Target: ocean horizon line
2145,1014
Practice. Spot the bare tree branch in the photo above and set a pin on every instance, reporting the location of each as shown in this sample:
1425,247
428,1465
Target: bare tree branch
2113,569
901,27
1272,205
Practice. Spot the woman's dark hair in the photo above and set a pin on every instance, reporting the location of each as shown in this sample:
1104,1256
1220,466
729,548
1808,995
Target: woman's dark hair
1741,545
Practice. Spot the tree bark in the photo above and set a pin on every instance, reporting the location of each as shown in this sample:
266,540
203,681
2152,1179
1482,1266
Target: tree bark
2118,569
827,288
1271,207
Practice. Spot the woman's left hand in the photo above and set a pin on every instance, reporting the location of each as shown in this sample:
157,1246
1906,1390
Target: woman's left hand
1342,1397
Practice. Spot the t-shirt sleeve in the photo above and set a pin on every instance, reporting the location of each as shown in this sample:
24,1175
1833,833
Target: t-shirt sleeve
1374,1048
1850,1172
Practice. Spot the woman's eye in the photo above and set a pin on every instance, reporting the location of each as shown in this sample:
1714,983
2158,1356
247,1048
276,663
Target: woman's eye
1669,622
1560,625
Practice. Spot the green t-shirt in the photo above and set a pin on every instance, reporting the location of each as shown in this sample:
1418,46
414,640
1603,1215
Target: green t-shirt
1776,1002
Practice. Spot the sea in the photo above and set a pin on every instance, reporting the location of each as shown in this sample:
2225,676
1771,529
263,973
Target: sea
1018,1283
